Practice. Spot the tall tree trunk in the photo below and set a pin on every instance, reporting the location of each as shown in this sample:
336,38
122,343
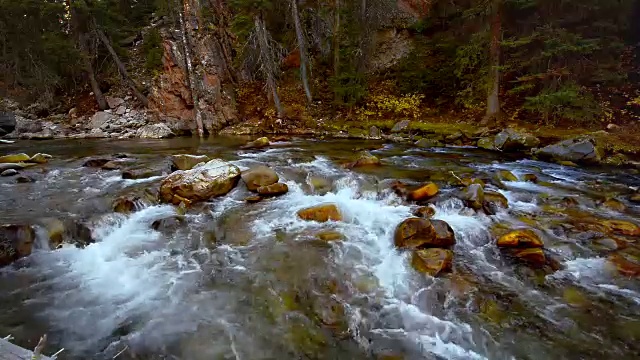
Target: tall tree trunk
186,43
88,68
123,71
494,111
82,42
336,39
303,50
269,65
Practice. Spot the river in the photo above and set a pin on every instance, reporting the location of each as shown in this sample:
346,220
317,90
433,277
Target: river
251,281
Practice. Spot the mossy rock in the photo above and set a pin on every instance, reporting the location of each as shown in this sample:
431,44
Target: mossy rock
14,158
257,144
507,175
622,227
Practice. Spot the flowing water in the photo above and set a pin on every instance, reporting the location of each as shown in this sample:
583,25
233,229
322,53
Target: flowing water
251,281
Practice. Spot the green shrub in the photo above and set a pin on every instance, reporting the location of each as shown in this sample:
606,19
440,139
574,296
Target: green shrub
152,48
567,102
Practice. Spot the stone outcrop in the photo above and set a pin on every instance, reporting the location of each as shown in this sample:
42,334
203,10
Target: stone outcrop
578,150
215,178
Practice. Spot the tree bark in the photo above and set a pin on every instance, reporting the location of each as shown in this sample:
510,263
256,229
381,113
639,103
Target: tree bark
303,50
190,73
336,39
268,63
494,111
88,66
123,71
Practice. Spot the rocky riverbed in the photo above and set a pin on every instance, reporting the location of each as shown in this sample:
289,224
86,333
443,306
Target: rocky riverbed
297,248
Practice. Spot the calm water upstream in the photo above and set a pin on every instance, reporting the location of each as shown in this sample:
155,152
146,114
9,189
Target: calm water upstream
250,281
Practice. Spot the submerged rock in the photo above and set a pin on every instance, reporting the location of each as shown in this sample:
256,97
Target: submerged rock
512,140
257,144
321,213
16,241
425,192
615,205
96,163
364,158
276,189
215,178
576,150
432,261
187,162
14,158
143,173
523,238
330,235
532,256
259,176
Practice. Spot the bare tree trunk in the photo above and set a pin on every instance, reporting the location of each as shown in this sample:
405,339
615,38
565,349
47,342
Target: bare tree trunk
123,71
191,75
336,39
303,50
268,63
88,68
493,97
82,42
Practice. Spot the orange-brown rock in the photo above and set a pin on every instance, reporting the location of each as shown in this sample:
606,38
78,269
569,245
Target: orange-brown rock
626,265
523,238
253,199
364,158
321,213
622,227
259,176
425,192
276,189
445,237
415,233
432,261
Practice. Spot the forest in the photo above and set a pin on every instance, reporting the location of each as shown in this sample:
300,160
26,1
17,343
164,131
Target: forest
538,61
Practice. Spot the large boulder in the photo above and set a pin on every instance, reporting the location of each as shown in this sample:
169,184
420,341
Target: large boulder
154,131
577,150
321,213
259,176
215,178
99,119
420,233
186,161
16,241
7,123
512,140
432,261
